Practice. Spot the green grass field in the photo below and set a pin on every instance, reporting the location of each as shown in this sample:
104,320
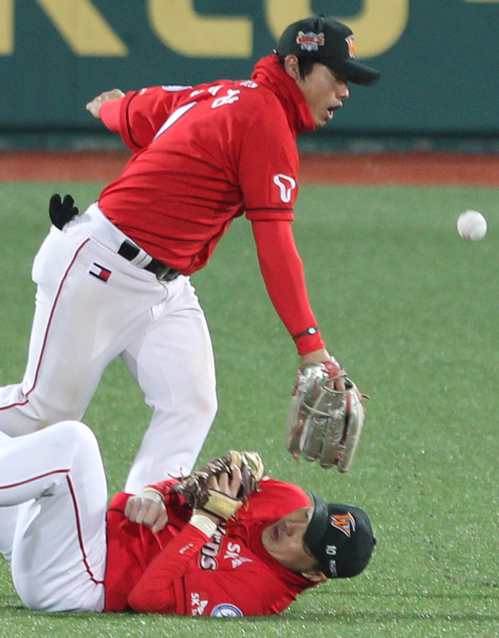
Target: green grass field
411,310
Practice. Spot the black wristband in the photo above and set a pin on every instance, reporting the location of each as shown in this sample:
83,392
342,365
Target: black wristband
309,331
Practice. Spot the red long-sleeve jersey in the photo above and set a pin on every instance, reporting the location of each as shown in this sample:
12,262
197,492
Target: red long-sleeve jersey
180,571
205,155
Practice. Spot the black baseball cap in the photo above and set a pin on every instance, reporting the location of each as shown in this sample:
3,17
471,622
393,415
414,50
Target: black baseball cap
329,42
340,537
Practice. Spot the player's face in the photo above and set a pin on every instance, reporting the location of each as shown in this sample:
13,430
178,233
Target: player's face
324,91
284,541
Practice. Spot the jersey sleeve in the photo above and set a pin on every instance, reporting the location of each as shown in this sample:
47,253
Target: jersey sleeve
171,499
268,166
283,273
250,589
155,592
109,114
143,112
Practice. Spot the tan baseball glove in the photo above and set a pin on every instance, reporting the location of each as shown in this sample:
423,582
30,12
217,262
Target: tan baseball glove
196,491
324,424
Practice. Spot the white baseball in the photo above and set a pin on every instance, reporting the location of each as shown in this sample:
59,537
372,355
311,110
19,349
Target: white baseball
472,225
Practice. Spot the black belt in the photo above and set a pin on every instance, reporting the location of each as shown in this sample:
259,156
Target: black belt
161,270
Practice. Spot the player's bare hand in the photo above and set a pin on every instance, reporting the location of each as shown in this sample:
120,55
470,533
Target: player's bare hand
337,384
147,509
217,508
225,484
94,105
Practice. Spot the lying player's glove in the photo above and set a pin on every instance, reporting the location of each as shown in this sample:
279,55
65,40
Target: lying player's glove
324,424
62,211
196,491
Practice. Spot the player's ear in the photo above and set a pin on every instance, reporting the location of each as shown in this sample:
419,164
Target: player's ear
292,66
315,577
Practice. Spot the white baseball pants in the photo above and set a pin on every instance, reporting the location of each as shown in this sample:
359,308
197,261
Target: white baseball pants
53,487
92,305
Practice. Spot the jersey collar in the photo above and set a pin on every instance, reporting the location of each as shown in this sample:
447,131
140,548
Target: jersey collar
269,73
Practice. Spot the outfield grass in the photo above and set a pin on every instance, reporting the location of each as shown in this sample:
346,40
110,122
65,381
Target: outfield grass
410,309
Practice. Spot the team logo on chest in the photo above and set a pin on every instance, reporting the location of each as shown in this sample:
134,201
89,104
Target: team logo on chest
210,552
233,554
197,604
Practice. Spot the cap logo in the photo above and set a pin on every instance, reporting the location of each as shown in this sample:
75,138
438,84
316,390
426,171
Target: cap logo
344,522
310,41
351,46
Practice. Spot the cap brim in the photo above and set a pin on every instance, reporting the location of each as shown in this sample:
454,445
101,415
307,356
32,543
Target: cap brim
355,71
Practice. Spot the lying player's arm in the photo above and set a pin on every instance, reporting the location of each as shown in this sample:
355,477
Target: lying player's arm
155,591
166,588
150,508
147,509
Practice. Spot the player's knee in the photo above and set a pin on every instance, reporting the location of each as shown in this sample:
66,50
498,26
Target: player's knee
74,434
72,430
203,402
67,440
201,412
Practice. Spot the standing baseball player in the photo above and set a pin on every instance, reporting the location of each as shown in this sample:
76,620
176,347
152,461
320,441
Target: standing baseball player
249,546
114,281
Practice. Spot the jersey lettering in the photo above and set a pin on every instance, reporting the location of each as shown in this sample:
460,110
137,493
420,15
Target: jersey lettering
249,84
214,89
286,186
233,554
231,97
210,551
197,605
208,563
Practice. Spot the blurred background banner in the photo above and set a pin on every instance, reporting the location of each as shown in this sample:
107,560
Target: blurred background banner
439,62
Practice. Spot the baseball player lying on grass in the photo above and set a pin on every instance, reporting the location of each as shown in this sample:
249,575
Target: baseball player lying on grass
225,541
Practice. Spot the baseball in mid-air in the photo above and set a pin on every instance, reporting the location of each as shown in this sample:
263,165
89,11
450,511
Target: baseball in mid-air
472,225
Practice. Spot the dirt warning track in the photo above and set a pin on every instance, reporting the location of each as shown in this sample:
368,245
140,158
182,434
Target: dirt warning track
414,169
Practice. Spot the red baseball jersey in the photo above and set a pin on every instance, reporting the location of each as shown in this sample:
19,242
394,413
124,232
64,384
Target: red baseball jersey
206,155
181,571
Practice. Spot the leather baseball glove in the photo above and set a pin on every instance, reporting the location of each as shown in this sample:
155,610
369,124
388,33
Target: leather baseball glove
324,424
194,488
